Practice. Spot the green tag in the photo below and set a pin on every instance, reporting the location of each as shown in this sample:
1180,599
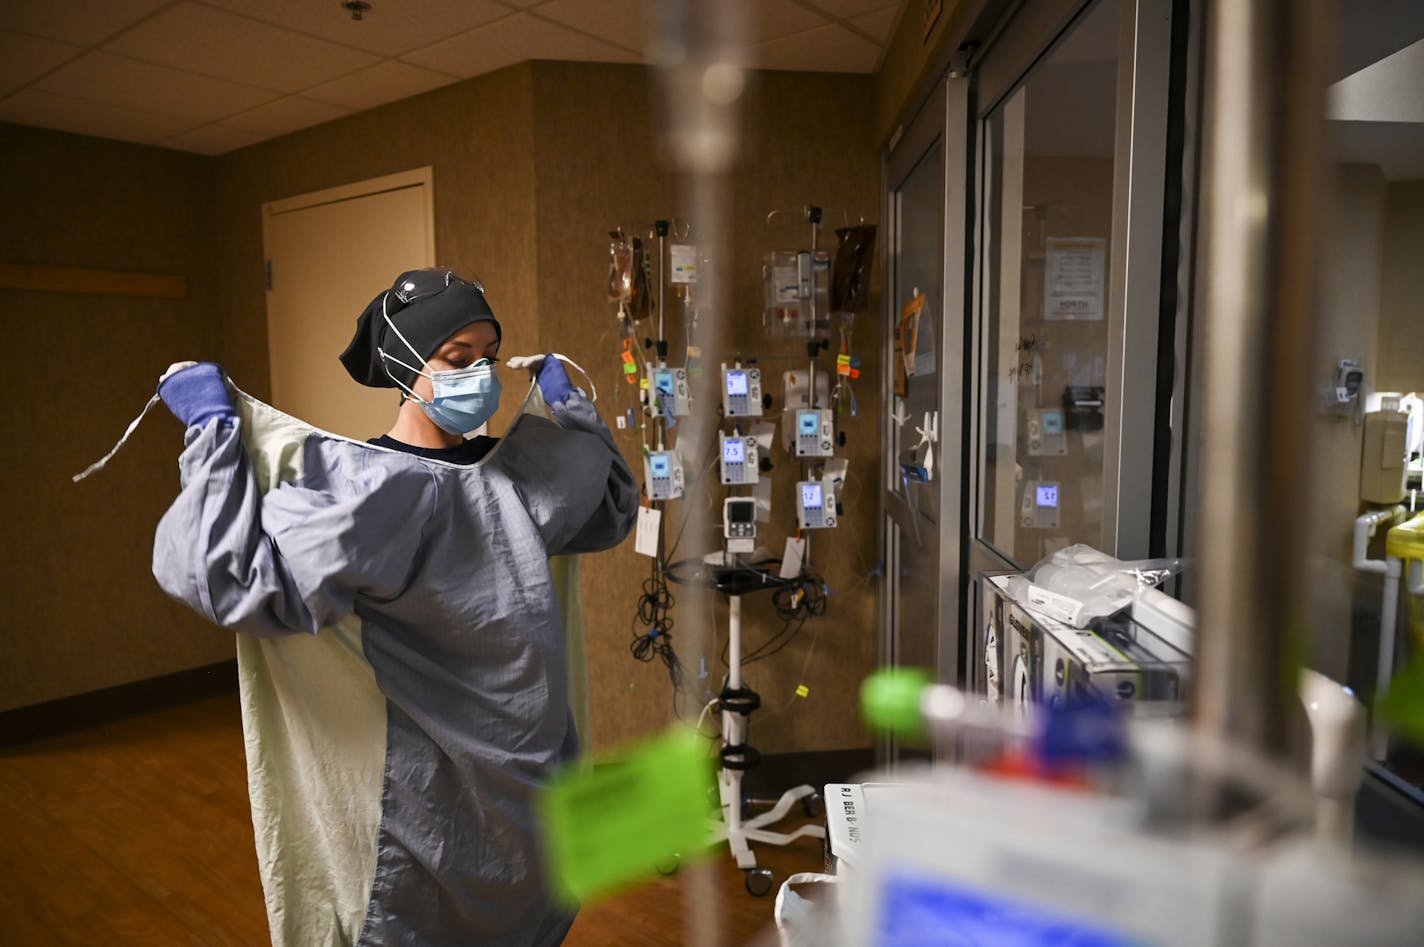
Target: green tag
614,823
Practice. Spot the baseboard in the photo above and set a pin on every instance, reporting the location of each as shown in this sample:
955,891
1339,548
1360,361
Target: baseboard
82,711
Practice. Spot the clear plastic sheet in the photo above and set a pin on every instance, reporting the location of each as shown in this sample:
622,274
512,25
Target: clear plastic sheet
1078,584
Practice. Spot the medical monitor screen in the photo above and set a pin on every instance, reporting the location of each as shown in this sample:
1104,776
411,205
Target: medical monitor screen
808,422
811,496
744,512
661,466
733,452
1048,495
662,381
736,383
1053,422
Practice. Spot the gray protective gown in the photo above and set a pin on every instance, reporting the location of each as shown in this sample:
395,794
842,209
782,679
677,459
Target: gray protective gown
402,661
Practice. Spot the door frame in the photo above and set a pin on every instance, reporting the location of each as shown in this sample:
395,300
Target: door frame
943,123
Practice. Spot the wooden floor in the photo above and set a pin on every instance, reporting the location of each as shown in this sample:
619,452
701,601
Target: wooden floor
139,832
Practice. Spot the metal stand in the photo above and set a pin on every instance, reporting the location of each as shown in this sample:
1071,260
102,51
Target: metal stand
738,833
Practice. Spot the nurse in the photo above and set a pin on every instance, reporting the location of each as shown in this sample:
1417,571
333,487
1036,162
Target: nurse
437,545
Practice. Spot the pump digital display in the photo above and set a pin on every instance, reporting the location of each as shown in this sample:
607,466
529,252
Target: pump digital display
1052,422
811,496
736,383
808,422
660,465
1048,496
733,452
662,381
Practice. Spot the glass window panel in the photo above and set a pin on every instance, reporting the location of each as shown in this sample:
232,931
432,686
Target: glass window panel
919,267
1048,179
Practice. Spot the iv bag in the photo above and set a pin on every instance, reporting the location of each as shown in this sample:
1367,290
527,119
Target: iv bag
850,273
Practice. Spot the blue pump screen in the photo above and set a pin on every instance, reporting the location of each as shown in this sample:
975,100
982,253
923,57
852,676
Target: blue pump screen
808,422
660,465
733,452
940,911
811,496
1053,422
1048,496
736,383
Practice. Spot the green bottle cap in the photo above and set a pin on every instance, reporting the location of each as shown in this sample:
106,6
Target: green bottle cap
890,700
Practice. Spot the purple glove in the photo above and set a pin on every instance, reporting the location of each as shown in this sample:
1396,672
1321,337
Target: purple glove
197,394
554,382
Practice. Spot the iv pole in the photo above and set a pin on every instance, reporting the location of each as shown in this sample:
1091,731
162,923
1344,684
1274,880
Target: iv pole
737,757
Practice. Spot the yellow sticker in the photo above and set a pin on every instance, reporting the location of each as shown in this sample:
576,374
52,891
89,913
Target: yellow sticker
643,383
802,690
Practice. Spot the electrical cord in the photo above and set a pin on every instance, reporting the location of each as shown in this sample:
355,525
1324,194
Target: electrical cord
795,601
652,631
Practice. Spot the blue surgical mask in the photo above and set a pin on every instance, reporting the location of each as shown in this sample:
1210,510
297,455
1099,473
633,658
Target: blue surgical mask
464,398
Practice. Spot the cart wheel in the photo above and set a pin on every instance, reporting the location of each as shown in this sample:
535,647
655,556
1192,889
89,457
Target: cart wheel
813,805
670,865
758,881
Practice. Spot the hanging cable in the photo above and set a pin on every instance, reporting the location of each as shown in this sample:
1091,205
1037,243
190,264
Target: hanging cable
652,631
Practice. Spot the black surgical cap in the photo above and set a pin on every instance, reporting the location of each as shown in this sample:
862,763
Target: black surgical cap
428,306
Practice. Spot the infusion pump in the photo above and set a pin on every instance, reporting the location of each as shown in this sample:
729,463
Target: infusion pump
815,435
1039,509
670,391
662,471
815,505
738,459
741,392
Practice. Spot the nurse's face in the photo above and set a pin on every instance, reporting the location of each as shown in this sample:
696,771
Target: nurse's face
476,341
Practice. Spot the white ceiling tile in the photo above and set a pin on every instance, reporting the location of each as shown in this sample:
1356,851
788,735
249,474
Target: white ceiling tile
774,19
846,9
827,49
81,22
512,40
25,58
879,24
226,46
625,23
211,140
284,115
129,83
45,110
390,27
384,82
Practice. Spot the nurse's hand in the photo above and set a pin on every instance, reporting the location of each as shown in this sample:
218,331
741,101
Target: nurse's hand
554,382
196,392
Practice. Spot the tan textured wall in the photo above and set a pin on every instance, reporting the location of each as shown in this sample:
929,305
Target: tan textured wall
598,167
81,610
1401,364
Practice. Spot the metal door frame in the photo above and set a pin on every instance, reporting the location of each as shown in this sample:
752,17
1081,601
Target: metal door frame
1135,271
944,123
